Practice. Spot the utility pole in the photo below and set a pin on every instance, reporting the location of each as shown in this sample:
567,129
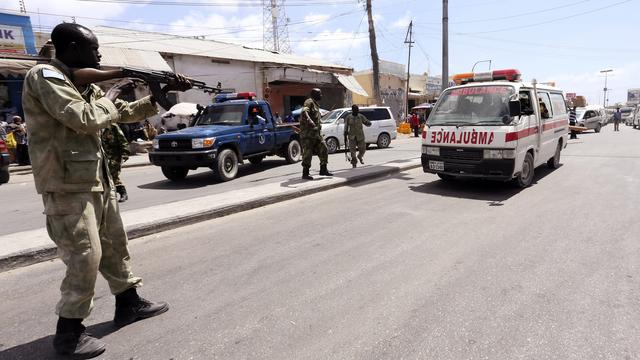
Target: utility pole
274,24
408,40
606,72
445,44
374,56
23,8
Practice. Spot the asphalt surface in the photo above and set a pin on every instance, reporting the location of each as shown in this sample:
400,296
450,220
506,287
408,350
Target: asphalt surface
21,207
407,267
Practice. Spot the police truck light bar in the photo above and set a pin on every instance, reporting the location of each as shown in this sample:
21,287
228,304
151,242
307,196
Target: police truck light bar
506,74
235,96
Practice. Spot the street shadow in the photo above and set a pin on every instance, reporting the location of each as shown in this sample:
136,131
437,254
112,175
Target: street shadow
207,178
42,349
360,176
493,192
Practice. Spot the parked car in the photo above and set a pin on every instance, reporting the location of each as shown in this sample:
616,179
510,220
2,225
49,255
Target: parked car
4,162
627,115
592,117
381,131
636,117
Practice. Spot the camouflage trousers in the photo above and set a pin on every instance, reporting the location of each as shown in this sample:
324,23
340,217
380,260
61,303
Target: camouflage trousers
311,146
359,145
115,167
90,236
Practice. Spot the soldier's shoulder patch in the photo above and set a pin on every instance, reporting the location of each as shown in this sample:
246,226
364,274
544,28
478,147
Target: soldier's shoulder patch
52,74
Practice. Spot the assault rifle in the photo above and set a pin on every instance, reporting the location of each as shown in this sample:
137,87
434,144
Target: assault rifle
88,75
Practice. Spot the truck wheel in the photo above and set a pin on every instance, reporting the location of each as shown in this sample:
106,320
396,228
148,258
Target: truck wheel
227,166
526,175
554,162
332,145
294,151
598,127
256,160
383,141
175,173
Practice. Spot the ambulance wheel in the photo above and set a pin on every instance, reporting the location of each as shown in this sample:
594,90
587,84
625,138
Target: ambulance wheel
526,175
175,173
332,145
446,177
554,162
227,167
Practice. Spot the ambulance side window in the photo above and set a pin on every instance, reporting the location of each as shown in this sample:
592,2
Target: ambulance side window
559,106
545,103
525,101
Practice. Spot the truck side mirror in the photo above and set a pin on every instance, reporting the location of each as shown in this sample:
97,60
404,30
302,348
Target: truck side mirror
515,108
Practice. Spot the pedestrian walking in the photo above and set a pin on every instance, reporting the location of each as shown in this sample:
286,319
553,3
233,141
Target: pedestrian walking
354,133
572,122
70,173
311,137
414,121
19,130
617,117
116,149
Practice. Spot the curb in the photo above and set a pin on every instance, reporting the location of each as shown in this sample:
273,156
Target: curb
26,170
36,255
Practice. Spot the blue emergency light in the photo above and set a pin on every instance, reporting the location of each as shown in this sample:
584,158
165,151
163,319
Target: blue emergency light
235,96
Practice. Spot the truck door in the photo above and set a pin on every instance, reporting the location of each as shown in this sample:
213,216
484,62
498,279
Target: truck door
269,131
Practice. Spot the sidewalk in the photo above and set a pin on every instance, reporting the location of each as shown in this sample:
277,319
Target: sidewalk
29,247
140,159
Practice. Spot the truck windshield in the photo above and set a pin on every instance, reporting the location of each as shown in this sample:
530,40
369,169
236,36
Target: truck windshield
477,105
222,115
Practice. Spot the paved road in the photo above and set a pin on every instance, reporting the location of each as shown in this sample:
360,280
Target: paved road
408,267
148,187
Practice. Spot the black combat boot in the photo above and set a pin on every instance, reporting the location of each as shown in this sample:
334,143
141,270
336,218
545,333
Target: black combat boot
72,340
120,189
130,307
305,174
361,159
324,171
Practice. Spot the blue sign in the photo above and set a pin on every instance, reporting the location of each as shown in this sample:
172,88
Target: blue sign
16,35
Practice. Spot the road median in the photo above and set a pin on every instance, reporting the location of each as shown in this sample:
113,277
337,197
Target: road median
33,246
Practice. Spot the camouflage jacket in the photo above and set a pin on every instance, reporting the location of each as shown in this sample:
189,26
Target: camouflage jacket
115,144
310,120
64,128
353,126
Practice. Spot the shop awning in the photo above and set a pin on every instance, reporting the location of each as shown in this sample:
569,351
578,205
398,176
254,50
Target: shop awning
119,57
15,67
351,84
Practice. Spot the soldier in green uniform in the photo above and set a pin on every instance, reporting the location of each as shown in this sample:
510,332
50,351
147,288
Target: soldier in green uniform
355,134
116,147
310,136
70,173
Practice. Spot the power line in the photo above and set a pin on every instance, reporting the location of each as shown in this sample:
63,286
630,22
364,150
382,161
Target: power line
549,21
232,3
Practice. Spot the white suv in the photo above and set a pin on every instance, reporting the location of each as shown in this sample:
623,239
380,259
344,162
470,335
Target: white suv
381,131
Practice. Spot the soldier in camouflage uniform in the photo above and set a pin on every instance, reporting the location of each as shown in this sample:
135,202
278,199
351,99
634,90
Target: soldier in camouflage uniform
355,134
116,148
310,136
69,170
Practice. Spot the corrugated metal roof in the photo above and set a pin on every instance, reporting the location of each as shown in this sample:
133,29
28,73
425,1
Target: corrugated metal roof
173,44
119,57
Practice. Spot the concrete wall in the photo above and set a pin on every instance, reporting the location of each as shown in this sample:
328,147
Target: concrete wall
392,91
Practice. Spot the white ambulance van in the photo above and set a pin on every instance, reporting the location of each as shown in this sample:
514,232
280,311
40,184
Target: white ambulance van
494,126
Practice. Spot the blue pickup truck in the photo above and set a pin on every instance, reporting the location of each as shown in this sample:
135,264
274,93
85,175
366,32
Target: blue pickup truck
235,128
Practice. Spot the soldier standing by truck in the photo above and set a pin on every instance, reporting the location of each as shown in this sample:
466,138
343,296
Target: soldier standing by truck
312,141
116,147
355,134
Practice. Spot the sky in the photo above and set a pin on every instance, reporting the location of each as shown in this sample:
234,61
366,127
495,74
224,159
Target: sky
566,41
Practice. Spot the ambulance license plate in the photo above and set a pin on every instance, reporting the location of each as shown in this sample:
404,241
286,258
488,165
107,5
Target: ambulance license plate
436,165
